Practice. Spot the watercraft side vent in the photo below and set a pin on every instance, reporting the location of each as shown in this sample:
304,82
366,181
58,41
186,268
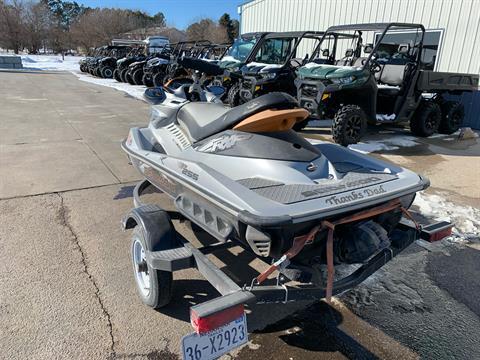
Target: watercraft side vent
178,135
204,217
259,241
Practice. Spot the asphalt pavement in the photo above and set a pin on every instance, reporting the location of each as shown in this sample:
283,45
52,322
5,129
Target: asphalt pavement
66,284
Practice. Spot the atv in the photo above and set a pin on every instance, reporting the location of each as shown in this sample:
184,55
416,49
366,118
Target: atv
384,82
234,58
136,54
272,64
106,66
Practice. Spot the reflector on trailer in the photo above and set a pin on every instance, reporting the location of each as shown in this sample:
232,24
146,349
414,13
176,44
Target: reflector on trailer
215,320
437,231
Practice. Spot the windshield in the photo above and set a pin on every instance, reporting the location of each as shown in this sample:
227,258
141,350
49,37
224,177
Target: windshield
240,49
274,51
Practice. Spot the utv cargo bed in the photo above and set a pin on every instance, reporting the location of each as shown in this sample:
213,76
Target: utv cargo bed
435,81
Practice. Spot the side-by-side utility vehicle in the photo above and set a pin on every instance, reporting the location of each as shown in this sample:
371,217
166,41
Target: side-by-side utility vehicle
388,78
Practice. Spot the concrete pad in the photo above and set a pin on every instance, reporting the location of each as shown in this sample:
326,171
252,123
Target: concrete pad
110,152
35,130
49,167
49,307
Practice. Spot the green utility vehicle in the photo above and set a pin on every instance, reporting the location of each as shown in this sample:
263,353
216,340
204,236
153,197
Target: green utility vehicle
381,81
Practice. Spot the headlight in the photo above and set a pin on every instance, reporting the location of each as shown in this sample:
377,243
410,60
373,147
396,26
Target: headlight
269,75
343,80
236,68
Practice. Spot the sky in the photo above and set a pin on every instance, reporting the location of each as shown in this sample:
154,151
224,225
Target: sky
179,13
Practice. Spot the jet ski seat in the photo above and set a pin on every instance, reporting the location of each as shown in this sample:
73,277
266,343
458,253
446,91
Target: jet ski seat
201,120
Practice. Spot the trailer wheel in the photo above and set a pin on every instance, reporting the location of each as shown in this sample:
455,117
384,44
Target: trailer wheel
426,120
349,125
234,95
453,113
154,286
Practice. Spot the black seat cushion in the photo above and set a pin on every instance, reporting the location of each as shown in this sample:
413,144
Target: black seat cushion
200,120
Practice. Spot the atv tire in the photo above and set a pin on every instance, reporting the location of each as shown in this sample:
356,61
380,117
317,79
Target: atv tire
107,72
426,120
129,78
116,75
159,79
233,97
453,113
137,77
123,75
349,125
147,80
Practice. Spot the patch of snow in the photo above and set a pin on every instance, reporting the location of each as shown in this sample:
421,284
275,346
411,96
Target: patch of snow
465,218
372,146
392,143
51,62
324,66
229,58
385,117
266,66
133,90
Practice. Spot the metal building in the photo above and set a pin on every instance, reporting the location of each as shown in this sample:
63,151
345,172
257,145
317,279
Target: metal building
453,26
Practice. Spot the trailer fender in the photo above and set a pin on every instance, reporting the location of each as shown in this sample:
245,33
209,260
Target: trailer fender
156,225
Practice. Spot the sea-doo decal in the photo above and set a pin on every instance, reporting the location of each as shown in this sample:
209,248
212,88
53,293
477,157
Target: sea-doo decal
223,142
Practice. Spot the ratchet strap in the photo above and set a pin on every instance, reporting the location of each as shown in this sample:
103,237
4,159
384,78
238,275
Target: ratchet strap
300,241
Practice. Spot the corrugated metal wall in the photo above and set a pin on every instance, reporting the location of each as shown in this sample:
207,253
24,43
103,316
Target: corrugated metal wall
460,20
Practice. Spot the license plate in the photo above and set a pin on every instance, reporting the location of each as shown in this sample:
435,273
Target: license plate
215,343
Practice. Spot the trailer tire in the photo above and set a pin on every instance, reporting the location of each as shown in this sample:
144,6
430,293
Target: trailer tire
160,282
234,95
426,120
453,113
349,125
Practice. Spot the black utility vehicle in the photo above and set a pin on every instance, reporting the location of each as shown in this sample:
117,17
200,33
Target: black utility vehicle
380,82
107,64
272,64
136,54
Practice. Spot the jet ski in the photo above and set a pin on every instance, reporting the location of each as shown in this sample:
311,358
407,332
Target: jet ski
243,174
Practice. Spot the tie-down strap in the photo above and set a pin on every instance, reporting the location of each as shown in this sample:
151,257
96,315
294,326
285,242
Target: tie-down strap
300,241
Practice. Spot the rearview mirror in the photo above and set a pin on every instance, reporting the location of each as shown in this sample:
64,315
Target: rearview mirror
325,53
368,48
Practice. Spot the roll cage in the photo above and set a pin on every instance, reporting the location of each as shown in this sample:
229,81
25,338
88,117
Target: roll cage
382,28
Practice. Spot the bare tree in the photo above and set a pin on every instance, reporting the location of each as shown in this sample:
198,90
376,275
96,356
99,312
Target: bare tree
37,23
207,29
11,25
